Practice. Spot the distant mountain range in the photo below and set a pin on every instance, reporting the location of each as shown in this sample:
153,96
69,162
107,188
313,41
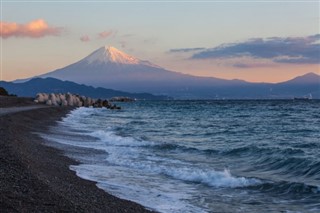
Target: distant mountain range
51,85
108,67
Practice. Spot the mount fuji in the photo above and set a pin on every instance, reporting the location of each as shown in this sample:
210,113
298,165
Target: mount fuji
108,67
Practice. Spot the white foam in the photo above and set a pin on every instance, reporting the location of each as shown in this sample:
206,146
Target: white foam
116,140
212,177
133,170
79,119
151,191
77,142
182,171
128,152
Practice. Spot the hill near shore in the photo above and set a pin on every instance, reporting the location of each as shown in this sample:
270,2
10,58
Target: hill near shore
51,85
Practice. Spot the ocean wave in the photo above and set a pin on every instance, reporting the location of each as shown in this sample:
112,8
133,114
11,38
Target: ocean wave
80,141
81,119
288,188
150,191
211,177
109,137
181,148
132,153
293,166
253,151
265,158
181,171
161,151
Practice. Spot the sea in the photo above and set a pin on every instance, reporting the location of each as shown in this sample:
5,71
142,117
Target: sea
200,156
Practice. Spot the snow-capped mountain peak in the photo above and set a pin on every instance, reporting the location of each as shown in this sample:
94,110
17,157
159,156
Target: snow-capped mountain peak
111,54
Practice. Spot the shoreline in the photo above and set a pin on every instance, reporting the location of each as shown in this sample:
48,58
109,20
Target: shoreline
36,178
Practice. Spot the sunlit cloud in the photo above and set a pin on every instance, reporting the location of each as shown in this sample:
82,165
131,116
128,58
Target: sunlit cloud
101,35
34,29
297,50
85,38
105,34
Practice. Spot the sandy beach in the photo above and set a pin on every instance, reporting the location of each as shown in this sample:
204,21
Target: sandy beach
35,177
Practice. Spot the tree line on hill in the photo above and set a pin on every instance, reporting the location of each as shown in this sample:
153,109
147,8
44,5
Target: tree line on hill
4,92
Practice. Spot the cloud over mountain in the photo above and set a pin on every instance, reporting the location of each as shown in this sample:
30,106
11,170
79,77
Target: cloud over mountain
85,38
300,50
101,35
34,29
105,34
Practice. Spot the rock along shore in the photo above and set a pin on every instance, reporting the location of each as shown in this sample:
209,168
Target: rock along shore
69,99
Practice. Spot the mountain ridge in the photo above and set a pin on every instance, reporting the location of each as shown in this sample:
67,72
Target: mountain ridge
309,77
284,90
51,85
108,67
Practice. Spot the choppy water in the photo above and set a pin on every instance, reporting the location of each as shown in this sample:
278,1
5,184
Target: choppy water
200,156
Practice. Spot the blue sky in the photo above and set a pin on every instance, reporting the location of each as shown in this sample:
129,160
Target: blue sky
151,30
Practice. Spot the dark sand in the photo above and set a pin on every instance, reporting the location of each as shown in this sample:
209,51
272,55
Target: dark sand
35,177
11,101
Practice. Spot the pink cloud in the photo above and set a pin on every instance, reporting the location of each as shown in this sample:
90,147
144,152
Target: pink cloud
105,34
34,29
85,38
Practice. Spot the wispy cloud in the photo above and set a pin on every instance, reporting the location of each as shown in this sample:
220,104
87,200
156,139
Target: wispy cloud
34,29
105,34
85,38
300,50
248,65
101,35
186,50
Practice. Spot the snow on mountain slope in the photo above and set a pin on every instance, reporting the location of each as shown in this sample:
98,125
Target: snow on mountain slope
109,54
